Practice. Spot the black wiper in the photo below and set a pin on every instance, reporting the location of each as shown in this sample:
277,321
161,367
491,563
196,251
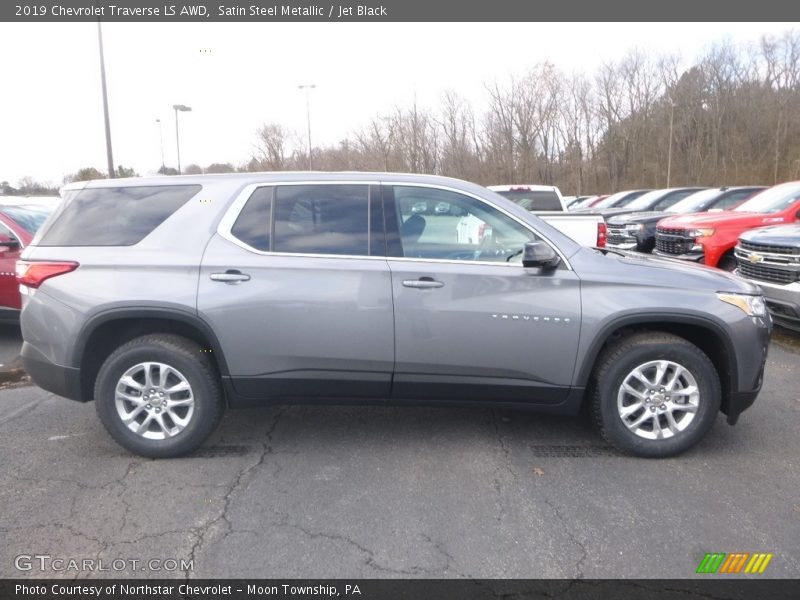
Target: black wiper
517,253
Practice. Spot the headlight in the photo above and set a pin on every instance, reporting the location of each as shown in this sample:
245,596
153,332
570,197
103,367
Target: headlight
696,233
753,306
634,227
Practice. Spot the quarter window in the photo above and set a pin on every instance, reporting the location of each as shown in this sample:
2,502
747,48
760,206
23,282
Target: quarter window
446,225
115,216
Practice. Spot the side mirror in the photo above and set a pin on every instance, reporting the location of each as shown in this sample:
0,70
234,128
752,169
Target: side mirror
539,254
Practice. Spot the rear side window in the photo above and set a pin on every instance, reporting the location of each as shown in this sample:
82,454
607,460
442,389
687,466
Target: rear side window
252,226
322,219
115,216
534,200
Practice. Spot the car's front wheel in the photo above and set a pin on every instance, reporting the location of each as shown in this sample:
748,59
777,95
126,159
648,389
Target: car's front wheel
159,396
655,394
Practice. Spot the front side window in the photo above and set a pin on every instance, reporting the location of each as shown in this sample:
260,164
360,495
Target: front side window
733,199
321,219
445,225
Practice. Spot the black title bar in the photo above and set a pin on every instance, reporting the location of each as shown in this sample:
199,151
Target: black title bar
397,589
398,10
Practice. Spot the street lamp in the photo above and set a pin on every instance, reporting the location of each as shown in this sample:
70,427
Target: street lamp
181,108
308,87
669,152
161,138
109,156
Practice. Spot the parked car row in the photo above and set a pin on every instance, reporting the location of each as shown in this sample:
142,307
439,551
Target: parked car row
748,230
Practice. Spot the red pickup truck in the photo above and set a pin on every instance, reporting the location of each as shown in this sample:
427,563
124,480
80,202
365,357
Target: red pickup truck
711,237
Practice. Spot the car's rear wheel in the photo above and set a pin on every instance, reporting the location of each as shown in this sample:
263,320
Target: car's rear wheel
159,396
655,394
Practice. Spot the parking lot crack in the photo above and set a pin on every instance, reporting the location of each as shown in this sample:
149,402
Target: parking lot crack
506,466
370,560
568,531
201,533
449,559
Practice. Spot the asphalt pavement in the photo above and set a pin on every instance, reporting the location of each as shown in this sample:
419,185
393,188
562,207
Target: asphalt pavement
348,492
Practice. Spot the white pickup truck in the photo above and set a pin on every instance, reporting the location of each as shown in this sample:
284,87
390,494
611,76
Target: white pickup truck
545,202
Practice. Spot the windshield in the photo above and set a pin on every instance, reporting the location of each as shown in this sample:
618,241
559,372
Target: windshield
696,202
644,201
619,199
28,218
772,200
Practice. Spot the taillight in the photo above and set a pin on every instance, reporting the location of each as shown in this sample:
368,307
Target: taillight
602,234
34,273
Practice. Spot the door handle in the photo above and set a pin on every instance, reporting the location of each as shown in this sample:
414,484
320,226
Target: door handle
422,283
231,276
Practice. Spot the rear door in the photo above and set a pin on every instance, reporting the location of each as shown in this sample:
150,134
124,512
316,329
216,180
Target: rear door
296,286
470,321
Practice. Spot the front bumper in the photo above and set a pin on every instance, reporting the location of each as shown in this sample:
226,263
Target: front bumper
783,302
60,380
752,345
691,256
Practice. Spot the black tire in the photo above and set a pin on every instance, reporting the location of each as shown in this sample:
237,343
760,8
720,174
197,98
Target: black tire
620,360
182,355
727,262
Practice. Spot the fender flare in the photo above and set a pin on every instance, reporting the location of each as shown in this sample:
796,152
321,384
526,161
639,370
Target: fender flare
590,358
144,312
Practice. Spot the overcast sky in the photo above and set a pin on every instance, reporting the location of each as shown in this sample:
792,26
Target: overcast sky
237,76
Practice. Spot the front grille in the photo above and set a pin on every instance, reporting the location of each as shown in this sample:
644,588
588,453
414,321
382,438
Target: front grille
615,238
673,241
769,248
675,232
762,272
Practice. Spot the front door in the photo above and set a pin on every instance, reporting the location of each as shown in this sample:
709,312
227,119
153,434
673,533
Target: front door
470,321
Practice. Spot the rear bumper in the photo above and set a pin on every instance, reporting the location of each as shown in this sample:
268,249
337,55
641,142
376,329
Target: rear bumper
62,381
623,245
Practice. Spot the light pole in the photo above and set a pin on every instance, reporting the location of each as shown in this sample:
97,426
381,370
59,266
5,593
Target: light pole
161,138
109,156
669,152
308,87
181,108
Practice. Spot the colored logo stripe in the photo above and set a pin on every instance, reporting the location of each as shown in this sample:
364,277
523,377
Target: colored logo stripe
721,562
711,562
758,564
735,562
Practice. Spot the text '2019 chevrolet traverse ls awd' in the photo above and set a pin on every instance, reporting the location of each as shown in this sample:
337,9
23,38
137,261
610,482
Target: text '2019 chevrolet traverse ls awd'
168,299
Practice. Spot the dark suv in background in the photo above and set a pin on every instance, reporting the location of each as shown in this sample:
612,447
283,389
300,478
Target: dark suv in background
168,299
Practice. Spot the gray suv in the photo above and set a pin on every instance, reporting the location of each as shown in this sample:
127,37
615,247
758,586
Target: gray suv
168,299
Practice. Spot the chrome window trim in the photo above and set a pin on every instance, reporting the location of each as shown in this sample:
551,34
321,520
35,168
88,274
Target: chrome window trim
232,213
14,235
